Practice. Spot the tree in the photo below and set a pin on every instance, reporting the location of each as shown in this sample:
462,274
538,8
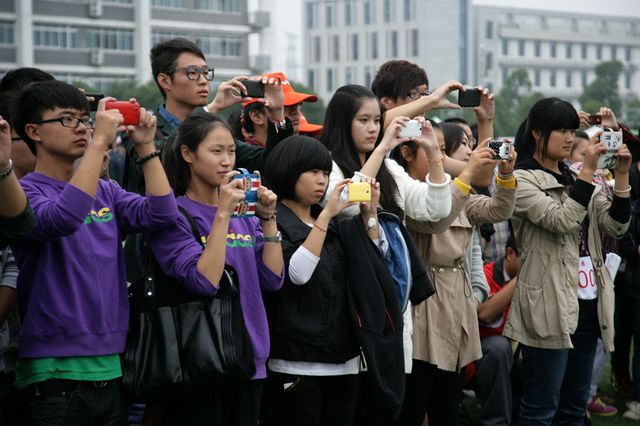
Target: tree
314,111
513,102
603,91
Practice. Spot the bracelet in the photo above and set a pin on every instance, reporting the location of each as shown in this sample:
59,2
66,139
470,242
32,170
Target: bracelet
437,162
323,230
616,191
5,173
273,239
510,182
142,160
464,187
266,219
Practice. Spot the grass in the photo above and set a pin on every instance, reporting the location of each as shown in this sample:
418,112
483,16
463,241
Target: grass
471,404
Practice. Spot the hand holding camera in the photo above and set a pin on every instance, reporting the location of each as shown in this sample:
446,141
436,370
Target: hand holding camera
249,184
231,193
392,137
108,124
337,200
612,141
506,154
480,157
266,203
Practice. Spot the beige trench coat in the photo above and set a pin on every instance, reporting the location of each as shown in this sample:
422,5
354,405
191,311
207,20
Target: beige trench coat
445,326
544,308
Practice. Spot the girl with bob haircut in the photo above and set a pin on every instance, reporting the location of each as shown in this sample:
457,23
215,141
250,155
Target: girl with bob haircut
314,362
353,123
199,161
564,298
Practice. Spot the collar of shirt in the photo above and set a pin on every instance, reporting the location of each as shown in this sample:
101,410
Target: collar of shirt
171,119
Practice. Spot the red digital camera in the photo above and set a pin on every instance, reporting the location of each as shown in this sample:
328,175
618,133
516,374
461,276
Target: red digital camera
129,110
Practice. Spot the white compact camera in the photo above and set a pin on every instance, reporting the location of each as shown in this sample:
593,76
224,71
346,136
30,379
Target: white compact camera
612,140
501,148
413,129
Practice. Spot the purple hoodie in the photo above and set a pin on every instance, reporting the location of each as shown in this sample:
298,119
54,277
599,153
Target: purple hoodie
72,286
178,253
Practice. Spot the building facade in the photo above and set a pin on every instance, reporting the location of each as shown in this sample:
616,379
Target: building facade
559,50
98,42
346,40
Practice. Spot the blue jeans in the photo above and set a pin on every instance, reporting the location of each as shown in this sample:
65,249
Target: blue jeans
556,381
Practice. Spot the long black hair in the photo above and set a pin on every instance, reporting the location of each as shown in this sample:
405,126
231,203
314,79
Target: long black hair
342,108
545,116
453,136
190,133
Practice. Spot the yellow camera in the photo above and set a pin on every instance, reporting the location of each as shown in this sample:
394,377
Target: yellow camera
359,192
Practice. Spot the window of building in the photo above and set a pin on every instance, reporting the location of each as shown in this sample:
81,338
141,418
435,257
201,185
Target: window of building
536,48
552,78
387,8
415,48
6,33
598,51
55,36
408,10
393,44
348,12
177,4
160,36
110,39
311,14
536,77
367,12
627,79
118,1
348,75
521,47
368,75
552,49
214,45
584,48
219,5
568,80
336,47
99,82
488,30
374,45
311,78
614,53
317,51
489,62
584,78
354,47
505,46
627,53
329,79
328,13
505,74
568,50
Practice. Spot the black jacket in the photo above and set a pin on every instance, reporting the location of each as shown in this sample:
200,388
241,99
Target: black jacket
311,322
628,246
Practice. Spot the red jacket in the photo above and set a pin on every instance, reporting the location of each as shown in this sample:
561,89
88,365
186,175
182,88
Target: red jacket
495,277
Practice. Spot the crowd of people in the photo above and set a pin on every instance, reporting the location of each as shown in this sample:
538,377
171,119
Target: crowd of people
461,266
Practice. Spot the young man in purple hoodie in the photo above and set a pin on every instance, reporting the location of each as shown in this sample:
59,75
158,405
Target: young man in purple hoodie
72,290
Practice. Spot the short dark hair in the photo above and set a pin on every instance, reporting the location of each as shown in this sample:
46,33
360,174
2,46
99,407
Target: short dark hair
18,78
43,96
545,116
191,132
454,120
453,135
511,243
240,119
291,158
7,101
397,78
164,56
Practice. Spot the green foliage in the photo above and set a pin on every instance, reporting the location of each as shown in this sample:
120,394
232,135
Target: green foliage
146,94
603,91
513,102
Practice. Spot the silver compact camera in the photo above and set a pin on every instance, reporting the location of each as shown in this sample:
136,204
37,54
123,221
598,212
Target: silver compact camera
501,148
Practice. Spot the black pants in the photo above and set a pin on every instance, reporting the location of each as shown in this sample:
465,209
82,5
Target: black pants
433,392
228,407
82,404
493,381
312,400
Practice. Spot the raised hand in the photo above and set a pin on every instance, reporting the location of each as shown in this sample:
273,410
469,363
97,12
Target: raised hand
229,93
335,203
108,124
623,161
5,144
480,157
230,193
145,131
392,137
608,119
266,205
439,96
487,108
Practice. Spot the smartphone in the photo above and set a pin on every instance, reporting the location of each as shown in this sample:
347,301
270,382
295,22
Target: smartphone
595,119
130,111
413,129
255,88
469,98
358,192
93,105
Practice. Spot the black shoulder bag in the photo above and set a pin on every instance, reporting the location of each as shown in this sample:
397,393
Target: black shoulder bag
179,342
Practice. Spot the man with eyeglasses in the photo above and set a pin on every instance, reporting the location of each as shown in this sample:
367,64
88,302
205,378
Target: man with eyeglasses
72,285
403,90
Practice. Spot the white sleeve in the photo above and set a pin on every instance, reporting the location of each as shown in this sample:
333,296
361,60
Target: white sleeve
335,177
302,265
422,201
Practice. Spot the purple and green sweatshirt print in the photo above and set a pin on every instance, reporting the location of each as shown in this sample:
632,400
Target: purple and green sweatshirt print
177,252
72,287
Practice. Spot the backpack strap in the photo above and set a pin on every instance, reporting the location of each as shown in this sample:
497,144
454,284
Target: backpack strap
192,224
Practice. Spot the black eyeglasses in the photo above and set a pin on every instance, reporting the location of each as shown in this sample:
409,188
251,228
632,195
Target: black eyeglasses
193,73
414,96
69,121
16,139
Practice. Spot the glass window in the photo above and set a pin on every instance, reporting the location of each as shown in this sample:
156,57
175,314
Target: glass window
408,10
627,53
505,74
627,79
552,78
374,45
536,77
348,75
598,51
354,47
177,4
336,48
329,80
505,47
55,36
614,53
521,47
6,33
414,42
488,31
568,50
368,75
219,5
109,39
316,49
536,48
584,48
552,49
387,11
328,13
368,11
348,12
583,78
568,80
311,15
311,78
220,45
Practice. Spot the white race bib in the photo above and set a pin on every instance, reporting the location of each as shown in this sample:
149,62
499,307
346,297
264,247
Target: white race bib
587,287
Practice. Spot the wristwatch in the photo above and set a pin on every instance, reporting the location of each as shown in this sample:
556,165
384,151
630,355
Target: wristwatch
273,239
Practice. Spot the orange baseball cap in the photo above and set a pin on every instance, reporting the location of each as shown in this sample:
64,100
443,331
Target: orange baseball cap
291,97
306,127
